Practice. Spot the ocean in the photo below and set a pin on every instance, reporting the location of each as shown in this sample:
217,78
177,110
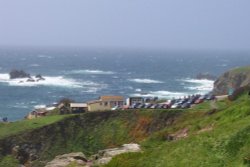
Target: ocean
86,74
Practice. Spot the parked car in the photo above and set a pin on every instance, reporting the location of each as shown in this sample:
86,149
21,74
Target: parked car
154,106
160,106
134,106
198,101
140,106
115,108
185,105
176,105
191,101
166,106
210,97
203,97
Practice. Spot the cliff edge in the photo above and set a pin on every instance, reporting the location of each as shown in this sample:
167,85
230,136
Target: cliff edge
232,80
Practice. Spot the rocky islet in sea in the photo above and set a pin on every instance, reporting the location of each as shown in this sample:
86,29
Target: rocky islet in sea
20,74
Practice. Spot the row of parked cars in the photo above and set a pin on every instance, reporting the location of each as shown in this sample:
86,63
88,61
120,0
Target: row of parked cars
183,103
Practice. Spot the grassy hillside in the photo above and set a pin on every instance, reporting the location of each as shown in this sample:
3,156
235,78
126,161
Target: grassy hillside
8,129
241,69
213,139
87,133
199,136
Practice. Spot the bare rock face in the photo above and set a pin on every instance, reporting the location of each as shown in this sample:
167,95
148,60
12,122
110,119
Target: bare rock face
66,159
14,74
232,80
105,156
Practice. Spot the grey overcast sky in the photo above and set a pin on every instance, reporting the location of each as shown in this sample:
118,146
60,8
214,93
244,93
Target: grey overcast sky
165,24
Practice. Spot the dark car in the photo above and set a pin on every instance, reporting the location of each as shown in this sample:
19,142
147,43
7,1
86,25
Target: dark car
140,106
198,101
185,105
176,105
148,105
210,97
166,106
172,102
203,97
160,106
134,106
191,100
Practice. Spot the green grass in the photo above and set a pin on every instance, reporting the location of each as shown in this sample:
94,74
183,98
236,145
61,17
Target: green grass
8,129
203,106
227,143
89,132
9,161
241,69
221,138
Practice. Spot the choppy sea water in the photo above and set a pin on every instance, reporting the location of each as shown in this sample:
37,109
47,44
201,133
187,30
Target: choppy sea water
84,75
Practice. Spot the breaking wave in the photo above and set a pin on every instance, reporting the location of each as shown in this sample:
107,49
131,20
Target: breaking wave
200,86
57,81
34,65
147,81
161,94
94,72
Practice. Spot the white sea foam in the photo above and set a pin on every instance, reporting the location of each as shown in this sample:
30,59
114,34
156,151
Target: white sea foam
34,65
20,105
138,90
196,86
222,65
58,81
115,77
146,81
161,94
200,86
45,56
40,106
94,89
93,72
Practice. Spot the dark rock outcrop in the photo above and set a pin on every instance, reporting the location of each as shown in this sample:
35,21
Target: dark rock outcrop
232,80
39,77
30,80
14,74
18,74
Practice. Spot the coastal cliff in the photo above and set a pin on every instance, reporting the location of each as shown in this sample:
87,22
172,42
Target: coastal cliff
214,133
87,133
232,80
200,136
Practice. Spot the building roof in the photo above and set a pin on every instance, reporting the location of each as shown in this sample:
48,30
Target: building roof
40,110
50,108
93,101
111,98
78,105
60,105
136,97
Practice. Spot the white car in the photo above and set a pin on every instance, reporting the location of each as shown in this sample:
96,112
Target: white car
176,105
115,108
